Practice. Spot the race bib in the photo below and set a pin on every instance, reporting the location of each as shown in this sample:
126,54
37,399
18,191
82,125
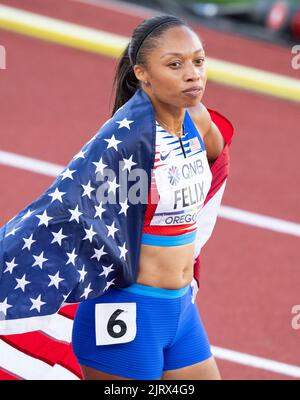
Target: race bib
115,323
182,186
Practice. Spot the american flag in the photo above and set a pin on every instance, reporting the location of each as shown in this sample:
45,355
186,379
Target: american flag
79,238
194,144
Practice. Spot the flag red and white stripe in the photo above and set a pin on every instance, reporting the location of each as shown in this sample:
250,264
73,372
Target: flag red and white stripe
41,355
47,354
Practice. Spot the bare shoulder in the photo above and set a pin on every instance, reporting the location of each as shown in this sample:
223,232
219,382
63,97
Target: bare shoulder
201,118
211,135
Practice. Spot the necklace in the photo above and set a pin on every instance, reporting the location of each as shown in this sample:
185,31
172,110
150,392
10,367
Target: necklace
181,131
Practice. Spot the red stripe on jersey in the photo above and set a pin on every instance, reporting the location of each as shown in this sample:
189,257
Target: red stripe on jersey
167,230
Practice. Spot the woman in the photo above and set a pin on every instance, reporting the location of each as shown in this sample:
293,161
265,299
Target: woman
166,60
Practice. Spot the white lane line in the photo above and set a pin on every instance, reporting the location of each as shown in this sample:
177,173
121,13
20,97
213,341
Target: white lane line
260,221
27,367
62,330
256,362
30,164
233,214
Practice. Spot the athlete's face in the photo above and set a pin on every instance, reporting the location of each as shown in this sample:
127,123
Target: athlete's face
177,63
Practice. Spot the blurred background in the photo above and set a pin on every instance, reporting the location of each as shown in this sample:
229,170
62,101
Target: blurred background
56,92
273,20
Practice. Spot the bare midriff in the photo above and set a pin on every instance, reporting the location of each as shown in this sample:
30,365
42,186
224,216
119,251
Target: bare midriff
168,267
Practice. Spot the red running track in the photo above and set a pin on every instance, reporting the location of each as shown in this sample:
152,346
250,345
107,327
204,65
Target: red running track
54,98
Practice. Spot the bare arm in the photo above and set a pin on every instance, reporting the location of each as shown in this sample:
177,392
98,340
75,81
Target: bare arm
212,137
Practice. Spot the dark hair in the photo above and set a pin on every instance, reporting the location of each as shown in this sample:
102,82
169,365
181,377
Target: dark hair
142,41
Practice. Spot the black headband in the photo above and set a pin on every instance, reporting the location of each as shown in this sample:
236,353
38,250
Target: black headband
132,57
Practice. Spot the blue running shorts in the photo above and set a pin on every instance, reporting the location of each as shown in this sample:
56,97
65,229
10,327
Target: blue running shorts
140,331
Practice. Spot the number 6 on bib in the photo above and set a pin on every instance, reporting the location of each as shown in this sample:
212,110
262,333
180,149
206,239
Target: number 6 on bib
115,323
